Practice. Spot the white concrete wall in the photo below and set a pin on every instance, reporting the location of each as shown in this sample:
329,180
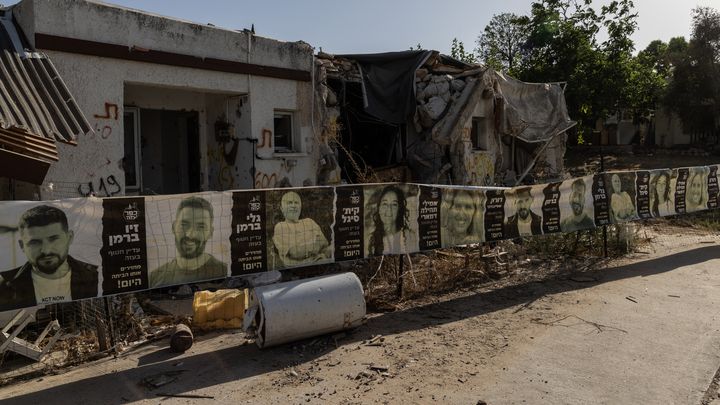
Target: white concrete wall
98,85
476,167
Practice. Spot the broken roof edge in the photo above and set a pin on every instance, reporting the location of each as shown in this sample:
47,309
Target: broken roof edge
208,25
34,98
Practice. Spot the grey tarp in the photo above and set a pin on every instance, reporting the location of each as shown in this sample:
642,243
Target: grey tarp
533,112
389,83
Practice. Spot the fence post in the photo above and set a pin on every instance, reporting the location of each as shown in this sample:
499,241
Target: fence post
602,170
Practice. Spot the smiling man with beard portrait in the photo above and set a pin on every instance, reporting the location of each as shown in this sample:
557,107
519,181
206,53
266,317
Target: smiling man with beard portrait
579,218
524,222
193,227
50,275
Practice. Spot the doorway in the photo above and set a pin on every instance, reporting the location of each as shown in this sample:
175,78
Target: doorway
162,151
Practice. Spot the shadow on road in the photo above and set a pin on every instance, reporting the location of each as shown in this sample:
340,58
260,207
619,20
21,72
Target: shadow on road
240,362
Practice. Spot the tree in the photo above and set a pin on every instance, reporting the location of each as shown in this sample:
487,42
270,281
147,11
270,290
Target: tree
499,46
562,45
694,89
457,51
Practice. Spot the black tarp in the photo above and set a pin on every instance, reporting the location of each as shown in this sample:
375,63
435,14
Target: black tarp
389,83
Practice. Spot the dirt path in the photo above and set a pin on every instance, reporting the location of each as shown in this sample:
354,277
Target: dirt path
645,330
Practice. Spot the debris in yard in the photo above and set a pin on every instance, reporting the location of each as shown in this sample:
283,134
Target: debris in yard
631,298
378,367
191,396
222,309
158,380
181,339
375,341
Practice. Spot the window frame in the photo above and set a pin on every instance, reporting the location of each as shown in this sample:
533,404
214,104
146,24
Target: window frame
479,123
135,112
292,146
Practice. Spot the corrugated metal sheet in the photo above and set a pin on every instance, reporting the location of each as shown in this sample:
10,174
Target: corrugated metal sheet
32,94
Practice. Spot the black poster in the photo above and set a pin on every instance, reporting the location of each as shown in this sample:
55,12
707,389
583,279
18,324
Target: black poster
349,223
680,189
494,215
247,240
429,218
600,201
124,256
712,188
551,208
642,185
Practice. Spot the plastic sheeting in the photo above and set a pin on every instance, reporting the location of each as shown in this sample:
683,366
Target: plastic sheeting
533,112
389,83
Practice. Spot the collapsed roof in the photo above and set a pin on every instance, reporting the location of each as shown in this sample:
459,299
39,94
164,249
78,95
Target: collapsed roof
436,95
36,108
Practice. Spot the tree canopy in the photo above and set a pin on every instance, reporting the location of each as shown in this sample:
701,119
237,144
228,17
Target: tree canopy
591,49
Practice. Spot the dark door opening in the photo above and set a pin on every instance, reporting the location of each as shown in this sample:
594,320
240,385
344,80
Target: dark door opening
170,150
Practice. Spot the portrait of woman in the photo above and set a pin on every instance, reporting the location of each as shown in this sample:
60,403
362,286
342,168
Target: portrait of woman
390,231
696,195
462,217
621,203
660,194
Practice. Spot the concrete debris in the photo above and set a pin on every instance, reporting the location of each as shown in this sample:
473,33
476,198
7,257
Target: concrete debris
435,107
518,128
421,73
457,85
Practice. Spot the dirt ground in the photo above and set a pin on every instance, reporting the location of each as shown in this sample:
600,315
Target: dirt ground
449,348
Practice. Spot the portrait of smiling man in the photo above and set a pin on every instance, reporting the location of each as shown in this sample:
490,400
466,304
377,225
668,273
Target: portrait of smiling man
298,240
579,219
192,228
50,274
524,222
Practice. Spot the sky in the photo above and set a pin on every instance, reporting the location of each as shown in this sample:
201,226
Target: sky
371,26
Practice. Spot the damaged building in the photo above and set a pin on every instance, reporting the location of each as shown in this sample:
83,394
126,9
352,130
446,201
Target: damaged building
425,117
172,106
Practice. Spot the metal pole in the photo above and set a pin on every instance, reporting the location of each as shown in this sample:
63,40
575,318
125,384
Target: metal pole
108,312
602,170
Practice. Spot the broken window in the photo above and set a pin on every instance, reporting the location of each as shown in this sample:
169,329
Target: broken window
283,132
478,134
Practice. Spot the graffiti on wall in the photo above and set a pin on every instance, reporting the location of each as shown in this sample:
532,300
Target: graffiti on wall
264,180
481,168
265,139
106,187
224,180
111,111
105,131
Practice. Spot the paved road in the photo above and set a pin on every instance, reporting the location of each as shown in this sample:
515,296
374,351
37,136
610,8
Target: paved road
655,339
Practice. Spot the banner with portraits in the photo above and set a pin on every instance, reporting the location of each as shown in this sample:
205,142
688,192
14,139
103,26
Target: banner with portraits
65,250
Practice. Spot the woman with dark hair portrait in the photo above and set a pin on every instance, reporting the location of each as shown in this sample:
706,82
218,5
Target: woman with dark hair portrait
696,190
462,218
660,202
391,233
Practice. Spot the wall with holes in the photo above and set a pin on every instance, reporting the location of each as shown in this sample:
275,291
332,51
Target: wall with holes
99,85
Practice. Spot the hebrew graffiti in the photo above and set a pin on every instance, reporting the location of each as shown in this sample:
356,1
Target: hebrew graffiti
107,187
108,108
266,139
264,180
